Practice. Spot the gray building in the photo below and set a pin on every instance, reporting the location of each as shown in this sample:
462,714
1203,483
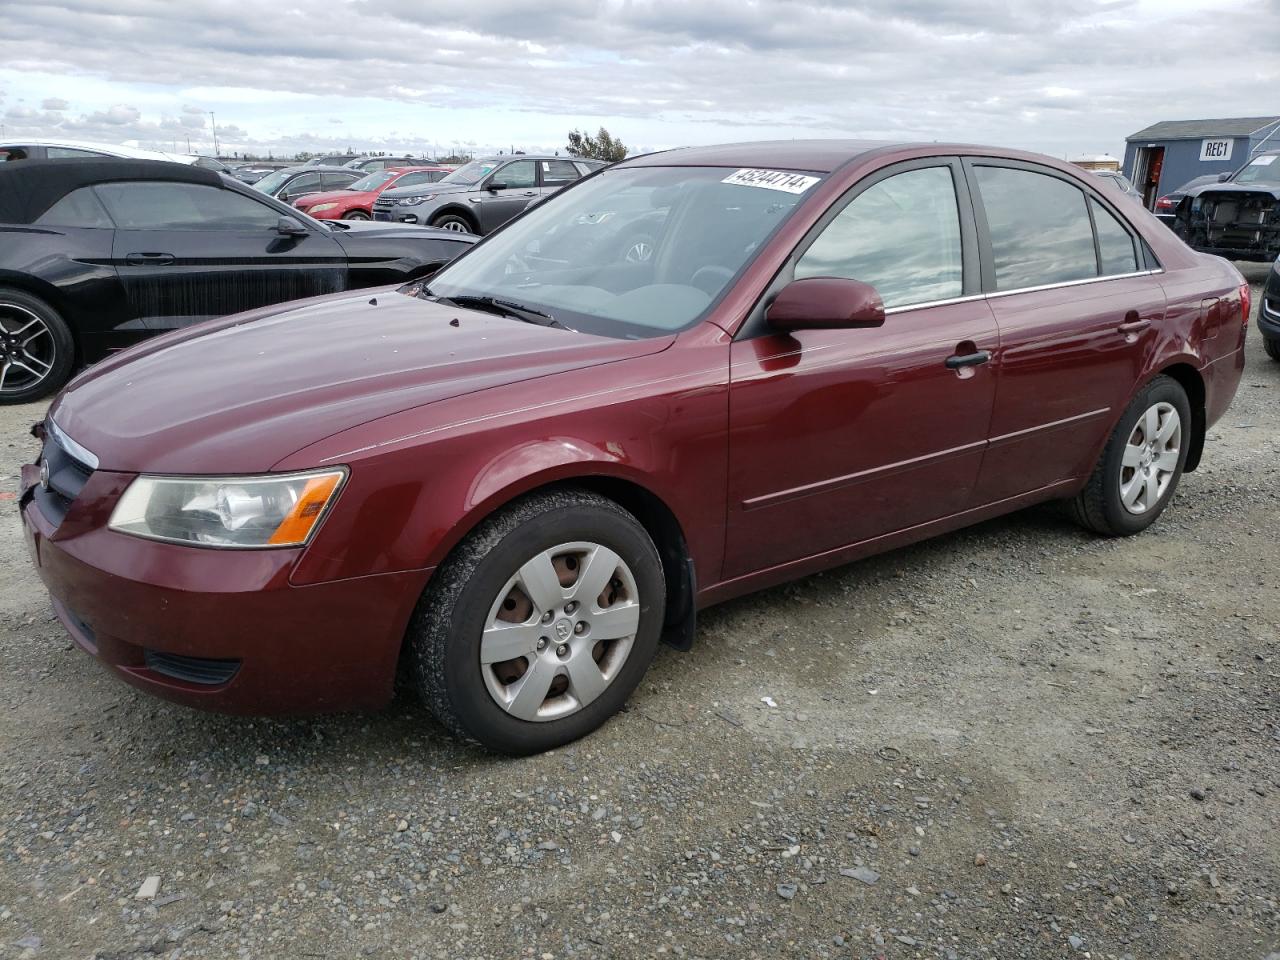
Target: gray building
1166,155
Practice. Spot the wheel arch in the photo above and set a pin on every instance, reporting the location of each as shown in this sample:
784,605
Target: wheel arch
456,210
1189,378
36,287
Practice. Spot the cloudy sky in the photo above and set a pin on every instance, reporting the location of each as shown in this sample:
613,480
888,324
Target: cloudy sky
1062,76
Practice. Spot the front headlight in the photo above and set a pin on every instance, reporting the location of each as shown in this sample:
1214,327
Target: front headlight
240,512
414,201
322,206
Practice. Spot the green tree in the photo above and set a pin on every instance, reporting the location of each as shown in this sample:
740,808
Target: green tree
602,146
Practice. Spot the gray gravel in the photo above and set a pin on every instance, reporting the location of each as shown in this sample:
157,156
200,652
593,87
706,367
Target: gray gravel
1015,741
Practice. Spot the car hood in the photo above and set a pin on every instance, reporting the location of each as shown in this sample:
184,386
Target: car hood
240,394
423,189
338,196
1268,189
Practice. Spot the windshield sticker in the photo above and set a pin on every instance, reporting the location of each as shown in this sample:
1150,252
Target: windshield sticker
771,180
1263,161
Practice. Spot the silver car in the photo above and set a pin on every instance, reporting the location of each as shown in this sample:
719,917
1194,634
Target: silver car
482,195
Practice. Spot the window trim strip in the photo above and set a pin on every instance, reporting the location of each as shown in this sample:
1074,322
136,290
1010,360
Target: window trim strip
995,294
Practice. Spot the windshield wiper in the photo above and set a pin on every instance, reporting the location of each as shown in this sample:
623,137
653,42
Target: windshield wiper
506,308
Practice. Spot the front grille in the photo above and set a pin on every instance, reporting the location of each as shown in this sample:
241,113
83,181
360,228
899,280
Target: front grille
386,203
200,670
67,477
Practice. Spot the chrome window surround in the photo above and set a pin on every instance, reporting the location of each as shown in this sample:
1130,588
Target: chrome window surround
994,294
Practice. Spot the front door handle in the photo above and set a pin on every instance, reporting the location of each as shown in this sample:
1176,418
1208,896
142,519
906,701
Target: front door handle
149,259
974,359
1133,326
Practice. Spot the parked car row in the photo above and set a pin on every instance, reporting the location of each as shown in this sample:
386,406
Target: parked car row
1234,215
691,375
99,254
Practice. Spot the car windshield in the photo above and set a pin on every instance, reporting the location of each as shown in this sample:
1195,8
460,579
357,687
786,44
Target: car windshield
372,182
634,252
272,181
1263,169
472,172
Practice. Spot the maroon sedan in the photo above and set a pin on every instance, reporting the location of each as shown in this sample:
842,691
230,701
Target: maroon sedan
522,477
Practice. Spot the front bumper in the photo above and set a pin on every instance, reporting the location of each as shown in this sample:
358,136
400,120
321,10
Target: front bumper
221,630
1269,308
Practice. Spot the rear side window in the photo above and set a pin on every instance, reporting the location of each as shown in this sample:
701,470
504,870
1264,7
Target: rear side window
556,173
901,235
1116,252
1040,232
79,208
156,205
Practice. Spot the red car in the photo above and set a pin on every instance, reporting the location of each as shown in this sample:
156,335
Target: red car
356,201
518,477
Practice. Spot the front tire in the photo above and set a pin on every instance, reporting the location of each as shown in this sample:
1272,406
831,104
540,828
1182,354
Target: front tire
37,351
355,215
454,222
1272,347
540,624
1141,464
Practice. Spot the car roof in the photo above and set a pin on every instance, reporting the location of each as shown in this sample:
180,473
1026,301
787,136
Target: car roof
416,168
818,156
321,167
29,188
111,149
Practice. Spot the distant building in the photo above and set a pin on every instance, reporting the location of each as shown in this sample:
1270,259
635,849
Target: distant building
1098,161
1166,155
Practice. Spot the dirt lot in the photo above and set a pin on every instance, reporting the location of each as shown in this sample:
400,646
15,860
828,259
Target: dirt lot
1015,741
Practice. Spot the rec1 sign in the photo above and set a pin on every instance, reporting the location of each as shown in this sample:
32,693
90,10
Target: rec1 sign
1215,149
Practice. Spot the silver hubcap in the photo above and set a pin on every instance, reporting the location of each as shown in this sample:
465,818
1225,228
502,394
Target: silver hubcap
26,348
456,226
560,631
639,252
1150,458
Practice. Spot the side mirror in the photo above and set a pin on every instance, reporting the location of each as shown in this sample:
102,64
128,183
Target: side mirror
1224,177
826,303
289,227
498,185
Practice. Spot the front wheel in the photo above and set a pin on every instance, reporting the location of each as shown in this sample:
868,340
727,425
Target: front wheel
454,222
1272,347
1142,463
36,348
541,623
355,215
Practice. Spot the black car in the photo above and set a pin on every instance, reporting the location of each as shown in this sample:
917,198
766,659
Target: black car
1236,216
290,183
374,164
332,160
1269,313
98,254
254,171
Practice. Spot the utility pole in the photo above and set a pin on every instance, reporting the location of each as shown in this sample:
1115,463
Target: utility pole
213,123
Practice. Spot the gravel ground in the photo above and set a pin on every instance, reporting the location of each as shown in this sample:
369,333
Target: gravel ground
1015,741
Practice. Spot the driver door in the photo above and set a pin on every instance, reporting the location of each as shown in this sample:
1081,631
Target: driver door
187,252
842,436
495,207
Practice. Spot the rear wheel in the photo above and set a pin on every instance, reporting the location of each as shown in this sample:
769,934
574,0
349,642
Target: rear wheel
1272,347
36,348
1142,463
355,215
541,623
453,221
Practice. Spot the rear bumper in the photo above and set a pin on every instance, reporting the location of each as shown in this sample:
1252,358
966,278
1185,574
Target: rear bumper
223,630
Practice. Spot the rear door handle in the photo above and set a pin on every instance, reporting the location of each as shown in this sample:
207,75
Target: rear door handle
149,259
1133,326
968,359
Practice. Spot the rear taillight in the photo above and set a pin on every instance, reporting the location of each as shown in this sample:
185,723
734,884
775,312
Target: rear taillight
1246,303
1164,205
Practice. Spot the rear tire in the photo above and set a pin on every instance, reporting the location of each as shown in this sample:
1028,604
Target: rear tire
37,351
1272,347
579,658
455,222
1141,464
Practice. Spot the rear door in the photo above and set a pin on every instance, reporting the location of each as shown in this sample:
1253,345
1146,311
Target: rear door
841,436
1077,311
186,252
493,208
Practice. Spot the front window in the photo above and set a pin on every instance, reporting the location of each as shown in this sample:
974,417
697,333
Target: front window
372,182
635,252
473,172
1263,169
